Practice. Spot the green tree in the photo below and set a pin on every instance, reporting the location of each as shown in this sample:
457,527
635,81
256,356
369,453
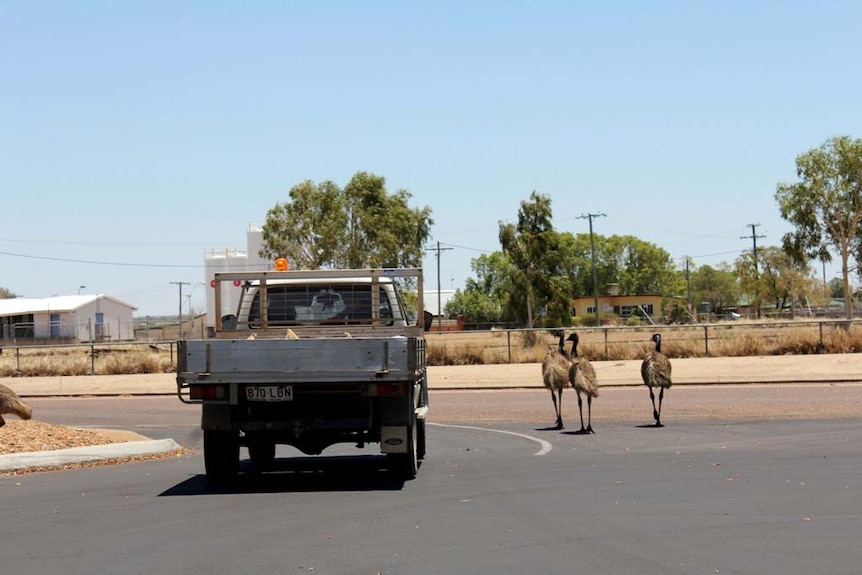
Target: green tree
6,294
483,299
363,225
778,277
536,253
836,288
718,286
825,206
637,266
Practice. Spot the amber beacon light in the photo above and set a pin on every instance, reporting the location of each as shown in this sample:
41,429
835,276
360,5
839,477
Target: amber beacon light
281,265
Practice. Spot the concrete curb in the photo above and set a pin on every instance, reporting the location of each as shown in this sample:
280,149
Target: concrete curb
57,457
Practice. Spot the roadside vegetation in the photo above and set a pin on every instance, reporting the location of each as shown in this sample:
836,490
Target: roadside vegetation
727,339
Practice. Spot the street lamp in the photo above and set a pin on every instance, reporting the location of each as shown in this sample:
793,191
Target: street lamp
80,288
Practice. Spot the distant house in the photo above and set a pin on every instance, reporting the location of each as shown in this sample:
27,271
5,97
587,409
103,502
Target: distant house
73,318
624,306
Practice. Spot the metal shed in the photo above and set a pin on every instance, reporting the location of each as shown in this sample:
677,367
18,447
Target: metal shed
71,318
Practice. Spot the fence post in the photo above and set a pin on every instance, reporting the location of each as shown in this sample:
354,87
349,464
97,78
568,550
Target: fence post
706,339
820,325
18,359
607,353
509,343
92,359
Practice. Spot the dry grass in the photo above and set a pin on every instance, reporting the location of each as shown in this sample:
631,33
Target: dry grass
731,339
79,360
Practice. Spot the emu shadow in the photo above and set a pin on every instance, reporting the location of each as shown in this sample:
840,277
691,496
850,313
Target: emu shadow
578,432
300,475
551,428
650,426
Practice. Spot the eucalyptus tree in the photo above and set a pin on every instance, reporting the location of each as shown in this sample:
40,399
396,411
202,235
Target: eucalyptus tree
777,278
717,285
362,225
537,256
485,298
825,206
635,265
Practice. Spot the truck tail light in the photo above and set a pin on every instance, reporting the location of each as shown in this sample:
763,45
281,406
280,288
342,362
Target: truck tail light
208,391
387,389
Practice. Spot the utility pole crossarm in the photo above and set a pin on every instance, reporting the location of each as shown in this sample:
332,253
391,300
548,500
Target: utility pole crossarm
754,237
438,249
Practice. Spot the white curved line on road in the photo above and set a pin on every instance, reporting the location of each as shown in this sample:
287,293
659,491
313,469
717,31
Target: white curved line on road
546,446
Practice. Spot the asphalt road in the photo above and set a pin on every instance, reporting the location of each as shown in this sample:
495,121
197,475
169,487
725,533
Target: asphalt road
744,479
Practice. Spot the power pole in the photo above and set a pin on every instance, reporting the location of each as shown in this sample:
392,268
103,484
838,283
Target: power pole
688,287
593,257
754,238
438,249
180,315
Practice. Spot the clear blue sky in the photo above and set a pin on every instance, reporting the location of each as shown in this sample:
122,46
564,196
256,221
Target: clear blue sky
146,133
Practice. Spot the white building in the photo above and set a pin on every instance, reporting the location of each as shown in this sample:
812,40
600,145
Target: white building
430,299
232,260
70,317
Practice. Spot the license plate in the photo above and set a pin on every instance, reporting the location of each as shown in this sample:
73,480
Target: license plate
269,393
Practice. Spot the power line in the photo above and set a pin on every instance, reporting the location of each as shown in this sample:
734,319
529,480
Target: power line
94,262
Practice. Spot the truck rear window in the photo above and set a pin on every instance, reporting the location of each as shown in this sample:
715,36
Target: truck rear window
288,305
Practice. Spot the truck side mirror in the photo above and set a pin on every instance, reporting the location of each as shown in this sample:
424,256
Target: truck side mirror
429,319
228,322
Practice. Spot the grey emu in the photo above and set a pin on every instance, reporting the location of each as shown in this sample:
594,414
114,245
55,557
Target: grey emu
655,371
555,373
582,376
11,403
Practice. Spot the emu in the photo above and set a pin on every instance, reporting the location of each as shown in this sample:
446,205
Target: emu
582,376
655,371
11,403
555,373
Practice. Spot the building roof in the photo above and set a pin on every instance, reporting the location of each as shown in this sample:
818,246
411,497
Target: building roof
60,303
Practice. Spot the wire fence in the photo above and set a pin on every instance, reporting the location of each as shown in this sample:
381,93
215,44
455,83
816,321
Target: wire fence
515,345
62,331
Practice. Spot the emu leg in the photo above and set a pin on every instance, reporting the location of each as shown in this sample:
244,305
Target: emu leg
658,415
2,421
557,410
654,411
560,412
590,414
581,411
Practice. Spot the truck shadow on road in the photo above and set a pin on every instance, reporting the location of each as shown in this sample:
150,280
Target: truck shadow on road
300,475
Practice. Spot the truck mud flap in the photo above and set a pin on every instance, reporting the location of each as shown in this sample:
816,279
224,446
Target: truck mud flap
393,439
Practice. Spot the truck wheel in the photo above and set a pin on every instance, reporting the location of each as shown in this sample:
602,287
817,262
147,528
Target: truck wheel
221,456
262,453
420,439
405,465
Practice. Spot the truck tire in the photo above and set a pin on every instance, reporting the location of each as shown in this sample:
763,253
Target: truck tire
405,465
262,453
221,456
420,439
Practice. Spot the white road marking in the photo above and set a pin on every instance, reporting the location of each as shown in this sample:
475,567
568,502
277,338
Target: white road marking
546,446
